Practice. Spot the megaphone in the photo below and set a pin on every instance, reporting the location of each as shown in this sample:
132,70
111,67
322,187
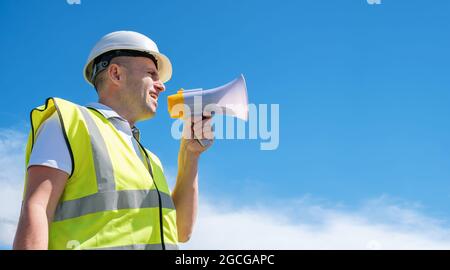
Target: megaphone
230,99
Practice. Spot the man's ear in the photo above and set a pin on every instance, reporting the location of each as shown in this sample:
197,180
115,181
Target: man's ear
115,74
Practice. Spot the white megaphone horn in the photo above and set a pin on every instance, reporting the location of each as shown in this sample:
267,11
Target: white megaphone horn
230,99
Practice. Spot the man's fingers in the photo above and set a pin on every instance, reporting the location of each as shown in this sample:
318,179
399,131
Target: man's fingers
203,129
198,133
207,121
208,114
203,123
208,135
196,119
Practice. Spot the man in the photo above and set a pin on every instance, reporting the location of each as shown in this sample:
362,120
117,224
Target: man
90,184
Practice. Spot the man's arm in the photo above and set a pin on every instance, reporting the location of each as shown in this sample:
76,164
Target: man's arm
44,188
185,193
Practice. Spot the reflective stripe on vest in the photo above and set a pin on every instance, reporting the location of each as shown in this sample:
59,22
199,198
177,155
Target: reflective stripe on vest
111,200
102,161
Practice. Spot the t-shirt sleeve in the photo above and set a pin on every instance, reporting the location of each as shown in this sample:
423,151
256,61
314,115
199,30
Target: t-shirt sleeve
50,148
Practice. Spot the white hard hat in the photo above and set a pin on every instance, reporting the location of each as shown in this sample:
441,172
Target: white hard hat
128,41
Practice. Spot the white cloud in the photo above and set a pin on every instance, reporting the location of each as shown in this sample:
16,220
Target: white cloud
304,223
378,224
12,161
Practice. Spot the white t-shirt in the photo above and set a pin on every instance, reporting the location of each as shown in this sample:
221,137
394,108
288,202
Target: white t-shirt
50,148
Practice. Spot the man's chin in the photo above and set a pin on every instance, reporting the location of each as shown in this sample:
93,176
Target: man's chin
148,114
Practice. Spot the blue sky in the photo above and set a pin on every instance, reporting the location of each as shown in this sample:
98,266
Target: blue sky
363,89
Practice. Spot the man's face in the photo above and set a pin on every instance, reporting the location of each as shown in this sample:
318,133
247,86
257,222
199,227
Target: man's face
141,87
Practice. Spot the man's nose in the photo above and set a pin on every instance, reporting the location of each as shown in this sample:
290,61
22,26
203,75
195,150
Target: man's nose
159,86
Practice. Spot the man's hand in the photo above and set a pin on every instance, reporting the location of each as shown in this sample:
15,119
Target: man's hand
195,129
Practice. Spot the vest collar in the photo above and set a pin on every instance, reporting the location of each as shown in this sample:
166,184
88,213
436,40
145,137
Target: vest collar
109,113
106,111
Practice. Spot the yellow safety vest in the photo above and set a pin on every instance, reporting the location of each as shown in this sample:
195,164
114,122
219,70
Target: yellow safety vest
112,199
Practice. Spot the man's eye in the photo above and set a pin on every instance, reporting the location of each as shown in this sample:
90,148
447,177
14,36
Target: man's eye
154,75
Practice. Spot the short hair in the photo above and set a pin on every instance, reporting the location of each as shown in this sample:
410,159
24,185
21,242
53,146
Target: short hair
99,80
